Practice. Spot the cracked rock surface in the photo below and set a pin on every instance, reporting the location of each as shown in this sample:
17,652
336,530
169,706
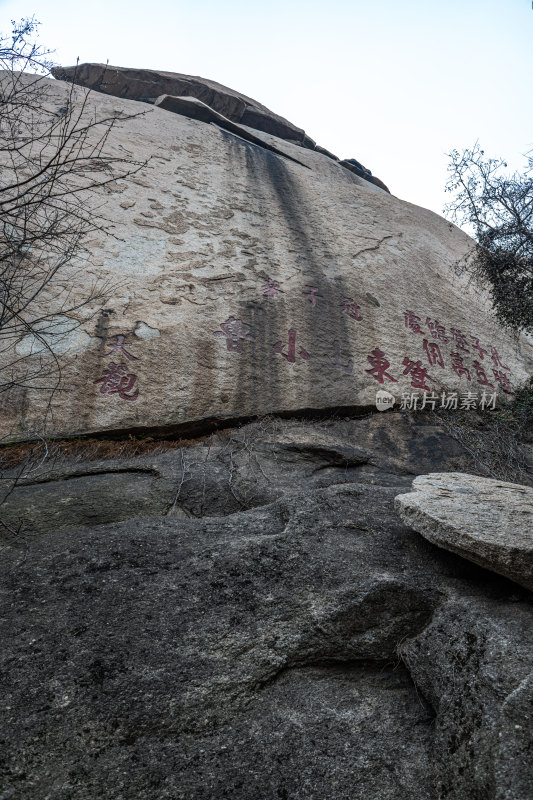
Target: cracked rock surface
303,644
235,470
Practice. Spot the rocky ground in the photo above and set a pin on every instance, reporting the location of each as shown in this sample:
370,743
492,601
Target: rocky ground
248,618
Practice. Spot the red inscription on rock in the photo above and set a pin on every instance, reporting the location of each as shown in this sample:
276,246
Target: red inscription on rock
379,366
412,322
437,330
116,380
460,340
496,358
119,347
503,380
270,288
481,375
312,295
433,353
418,373
235,332
458,365
477,346
351,308
291,355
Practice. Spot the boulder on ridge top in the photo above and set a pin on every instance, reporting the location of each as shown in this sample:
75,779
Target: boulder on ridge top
147,85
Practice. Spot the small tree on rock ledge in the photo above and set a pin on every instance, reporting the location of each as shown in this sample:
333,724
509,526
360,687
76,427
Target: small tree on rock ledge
498,209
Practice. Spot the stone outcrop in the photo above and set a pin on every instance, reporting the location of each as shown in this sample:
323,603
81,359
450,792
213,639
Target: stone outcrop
472,663
248,280
195,109
268,629
487,521
243,614
230,471
355,166
147,85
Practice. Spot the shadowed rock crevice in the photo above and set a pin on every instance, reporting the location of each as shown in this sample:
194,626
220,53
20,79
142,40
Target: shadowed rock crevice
469,662
86,473
237,469
329,456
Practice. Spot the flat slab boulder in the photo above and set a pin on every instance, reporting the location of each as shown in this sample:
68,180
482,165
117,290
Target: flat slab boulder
487,521
195,109
149,84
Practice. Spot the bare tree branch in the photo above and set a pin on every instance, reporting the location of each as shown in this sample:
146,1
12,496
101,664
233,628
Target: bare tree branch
497,209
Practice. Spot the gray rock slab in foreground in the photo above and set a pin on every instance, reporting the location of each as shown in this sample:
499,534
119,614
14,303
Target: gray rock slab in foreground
487,521
472,663
258,656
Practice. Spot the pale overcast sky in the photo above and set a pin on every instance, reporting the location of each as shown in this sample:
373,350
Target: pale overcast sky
393,84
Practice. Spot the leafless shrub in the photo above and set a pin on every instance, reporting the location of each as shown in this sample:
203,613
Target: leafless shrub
497,208
496,443
53,164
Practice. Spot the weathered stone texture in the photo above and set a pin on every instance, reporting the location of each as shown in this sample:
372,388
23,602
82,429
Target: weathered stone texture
147,85
488,521
291,638
247,617
473,663
231,471
246,284
175,658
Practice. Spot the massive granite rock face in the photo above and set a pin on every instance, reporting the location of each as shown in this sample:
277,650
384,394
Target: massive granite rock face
290,638
247,283
245,616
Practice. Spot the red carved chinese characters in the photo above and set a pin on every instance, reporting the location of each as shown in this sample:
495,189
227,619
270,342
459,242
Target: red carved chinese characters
460,340
312,295
117,380
235,331
351,308
291,356
437,330
458,365
418,373
271,288
433,353
119,347
336,360
379,366
496,358
503,380
481,375
477,346
412,322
